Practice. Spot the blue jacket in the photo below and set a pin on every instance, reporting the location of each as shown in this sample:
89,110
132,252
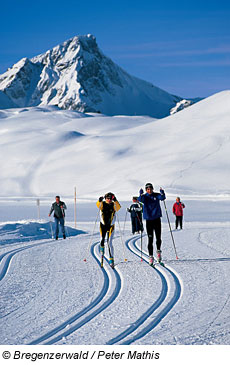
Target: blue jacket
152,209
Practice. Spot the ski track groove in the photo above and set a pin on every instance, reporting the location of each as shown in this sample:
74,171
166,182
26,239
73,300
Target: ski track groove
151,309
92,315
134,326
7,256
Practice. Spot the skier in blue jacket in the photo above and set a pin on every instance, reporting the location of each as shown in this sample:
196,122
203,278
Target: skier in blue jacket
152,214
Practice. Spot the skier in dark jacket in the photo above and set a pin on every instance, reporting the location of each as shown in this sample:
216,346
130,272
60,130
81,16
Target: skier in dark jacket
135,211
178,212
152,215
58,207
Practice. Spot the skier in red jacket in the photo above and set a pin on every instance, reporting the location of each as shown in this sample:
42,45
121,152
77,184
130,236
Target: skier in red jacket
178,211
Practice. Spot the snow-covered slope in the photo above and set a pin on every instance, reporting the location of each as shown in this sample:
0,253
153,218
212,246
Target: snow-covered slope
77,75
48,150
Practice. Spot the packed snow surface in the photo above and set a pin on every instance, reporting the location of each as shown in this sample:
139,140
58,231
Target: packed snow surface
55,292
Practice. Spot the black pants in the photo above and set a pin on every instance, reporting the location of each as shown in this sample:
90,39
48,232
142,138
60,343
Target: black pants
136,224
109,230
151,227
104,229
179,220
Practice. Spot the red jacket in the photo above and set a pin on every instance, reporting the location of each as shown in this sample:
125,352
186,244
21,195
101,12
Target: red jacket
178,209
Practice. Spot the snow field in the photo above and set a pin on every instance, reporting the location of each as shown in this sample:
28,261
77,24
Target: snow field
50,295
47,149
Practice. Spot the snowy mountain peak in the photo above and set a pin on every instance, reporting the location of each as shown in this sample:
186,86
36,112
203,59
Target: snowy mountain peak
68,50
77,75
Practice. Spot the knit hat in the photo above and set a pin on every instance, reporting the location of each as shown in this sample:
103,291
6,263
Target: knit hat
148,185
109,195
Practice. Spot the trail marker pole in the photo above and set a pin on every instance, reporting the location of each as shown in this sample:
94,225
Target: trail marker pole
75,207
38,205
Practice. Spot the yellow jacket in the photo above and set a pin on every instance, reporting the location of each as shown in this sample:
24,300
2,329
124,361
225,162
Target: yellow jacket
108,211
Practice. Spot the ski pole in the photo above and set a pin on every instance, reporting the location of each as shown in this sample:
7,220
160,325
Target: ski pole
141,246
109,239
170,230
122,242
91,238
125,221
141,225
51,228
108,245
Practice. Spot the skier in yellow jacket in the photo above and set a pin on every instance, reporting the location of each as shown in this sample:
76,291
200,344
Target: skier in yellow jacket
108,206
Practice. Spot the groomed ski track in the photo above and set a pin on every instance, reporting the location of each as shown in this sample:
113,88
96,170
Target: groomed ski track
112,287
59,332
131,244
6,258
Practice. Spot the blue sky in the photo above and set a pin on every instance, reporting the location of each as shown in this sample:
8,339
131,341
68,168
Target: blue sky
180,46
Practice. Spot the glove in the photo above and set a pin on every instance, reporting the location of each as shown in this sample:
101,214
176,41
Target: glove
162,191
100,199
128,210
141,192
114,198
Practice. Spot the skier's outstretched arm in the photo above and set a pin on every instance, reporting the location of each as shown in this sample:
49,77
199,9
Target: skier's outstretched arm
51,210
173,209
99,203
162,195
139,208
117,205
64,205
141,197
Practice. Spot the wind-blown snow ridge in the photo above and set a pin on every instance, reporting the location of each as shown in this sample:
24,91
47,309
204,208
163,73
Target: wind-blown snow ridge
77,75
26,231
